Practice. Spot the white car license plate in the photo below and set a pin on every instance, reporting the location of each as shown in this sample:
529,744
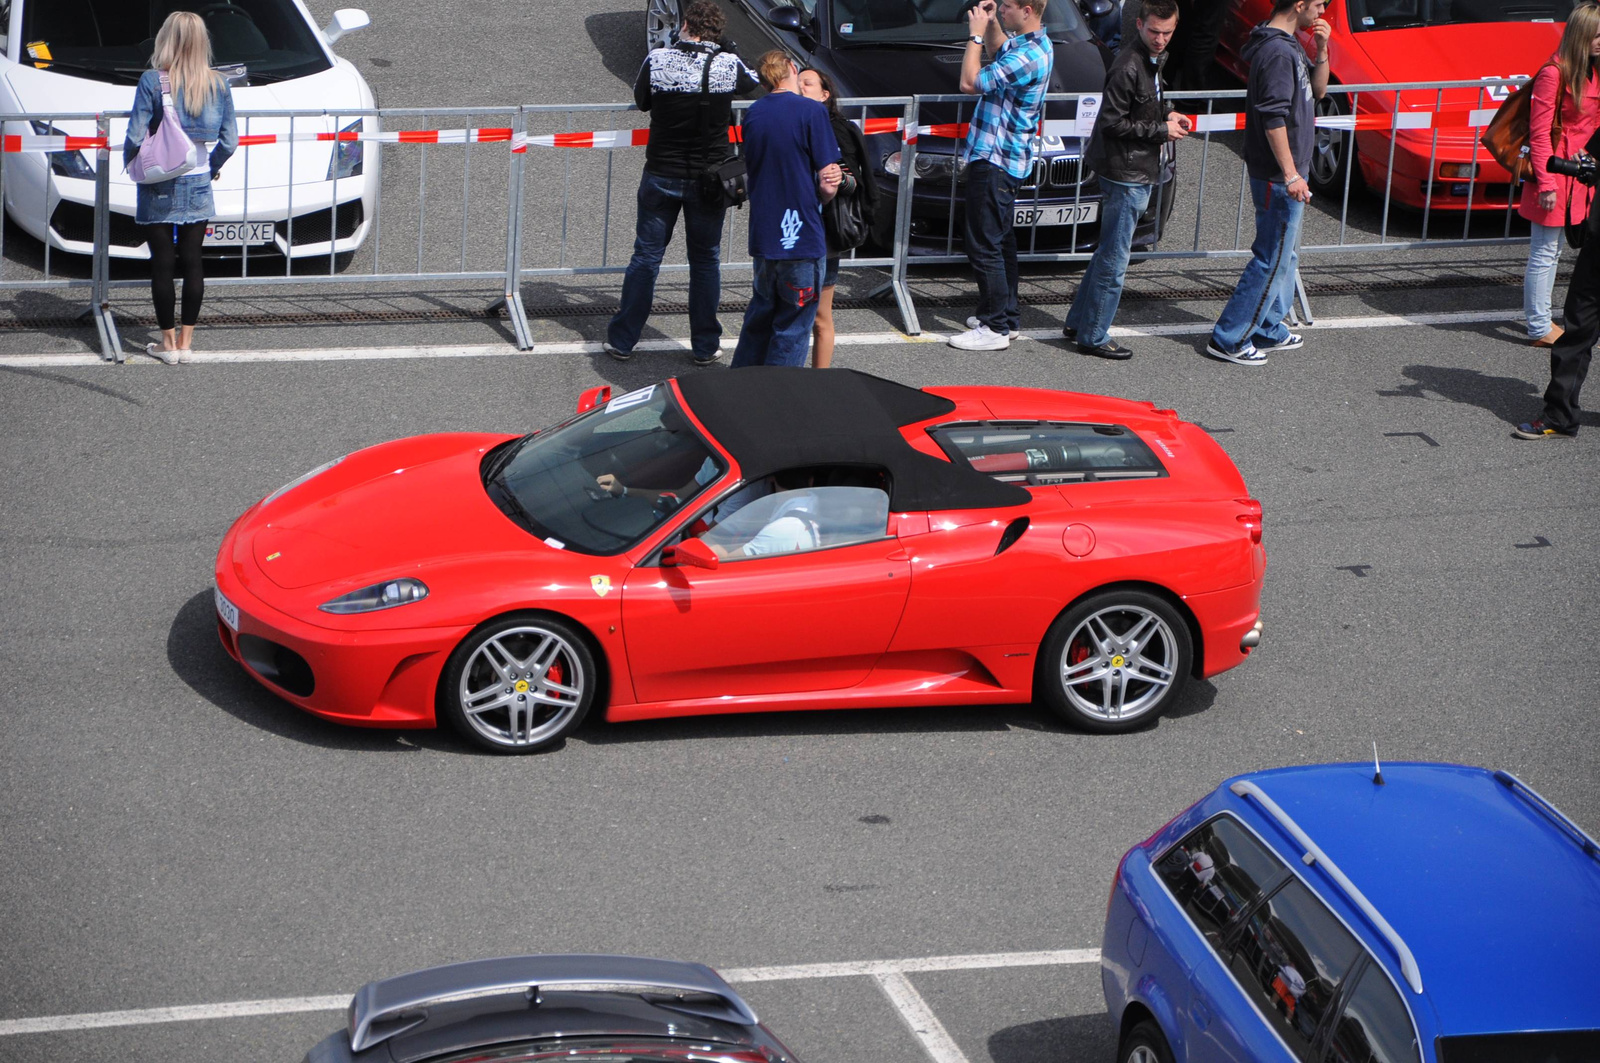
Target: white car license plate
237,233
228,611
1064,214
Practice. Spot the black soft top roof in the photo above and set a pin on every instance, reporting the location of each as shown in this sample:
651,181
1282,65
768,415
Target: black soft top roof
774,418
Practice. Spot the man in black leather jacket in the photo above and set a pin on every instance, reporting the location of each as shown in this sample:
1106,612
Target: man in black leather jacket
1125,151
1569,358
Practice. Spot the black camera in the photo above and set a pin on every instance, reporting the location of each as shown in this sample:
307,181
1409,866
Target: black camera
1580,168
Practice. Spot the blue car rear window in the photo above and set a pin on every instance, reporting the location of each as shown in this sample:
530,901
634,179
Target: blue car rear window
1374,1026
1216,872
1289,957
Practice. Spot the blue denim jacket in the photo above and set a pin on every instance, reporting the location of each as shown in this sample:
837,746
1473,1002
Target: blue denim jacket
186,199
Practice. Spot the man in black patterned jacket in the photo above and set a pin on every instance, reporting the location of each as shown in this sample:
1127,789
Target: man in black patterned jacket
688,88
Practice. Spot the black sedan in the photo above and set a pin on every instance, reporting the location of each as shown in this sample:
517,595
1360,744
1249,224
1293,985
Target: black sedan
616,1009
908,47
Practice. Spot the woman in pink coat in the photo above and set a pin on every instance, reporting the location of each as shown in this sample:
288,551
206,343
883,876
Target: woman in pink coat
1550,200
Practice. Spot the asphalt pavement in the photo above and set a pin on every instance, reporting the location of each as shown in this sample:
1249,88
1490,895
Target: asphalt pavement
177,836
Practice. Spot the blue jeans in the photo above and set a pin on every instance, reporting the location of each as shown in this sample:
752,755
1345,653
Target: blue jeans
1539,280
660,200
992,244
1095,305
1256,310
777,324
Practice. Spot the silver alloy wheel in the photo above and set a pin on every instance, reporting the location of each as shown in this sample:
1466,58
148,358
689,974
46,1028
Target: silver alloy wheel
1142,1054
662,20
1118,663
522,686
1329,145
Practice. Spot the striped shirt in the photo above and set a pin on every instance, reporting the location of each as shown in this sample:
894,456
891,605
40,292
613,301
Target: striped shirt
1007,117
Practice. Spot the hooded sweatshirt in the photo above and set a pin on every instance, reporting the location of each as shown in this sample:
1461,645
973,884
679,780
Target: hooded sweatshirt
1279,97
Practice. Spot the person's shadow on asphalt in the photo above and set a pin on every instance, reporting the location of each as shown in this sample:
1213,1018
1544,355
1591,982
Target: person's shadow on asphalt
1509,399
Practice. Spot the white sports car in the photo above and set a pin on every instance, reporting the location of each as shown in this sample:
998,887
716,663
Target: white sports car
79,56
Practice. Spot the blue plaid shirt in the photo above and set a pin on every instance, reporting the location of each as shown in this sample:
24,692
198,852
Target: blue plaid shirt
1013,88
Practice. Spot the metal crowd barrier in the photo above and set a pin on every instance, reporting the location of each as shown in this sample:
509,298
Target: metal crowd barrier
552,228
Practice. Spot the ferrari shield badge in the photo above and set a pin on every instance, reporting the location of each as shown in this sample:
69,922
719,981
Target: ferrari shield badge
601,585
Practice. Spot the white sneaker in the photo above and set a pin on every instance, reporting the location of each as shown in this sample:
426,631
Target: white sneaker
980,338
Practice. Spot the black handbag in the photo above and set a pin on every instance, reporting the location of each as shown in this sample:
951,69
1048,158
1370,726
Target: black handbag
845,223
725,182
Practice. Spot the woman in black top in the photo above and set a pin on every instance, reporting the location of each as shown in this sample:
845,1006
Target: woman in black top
816,85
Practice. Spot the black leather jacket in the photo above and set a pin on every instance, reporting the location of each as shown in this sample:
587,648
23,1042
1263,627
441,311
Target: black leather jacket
1132,127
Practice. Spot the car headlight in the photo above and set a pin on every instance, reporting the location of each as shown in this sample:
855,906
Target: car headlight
64,163
929,164
385,595
347,154
298,480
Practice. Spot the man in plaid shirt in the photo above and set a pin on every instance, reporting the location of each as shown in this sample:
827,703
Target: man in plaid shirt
1000,153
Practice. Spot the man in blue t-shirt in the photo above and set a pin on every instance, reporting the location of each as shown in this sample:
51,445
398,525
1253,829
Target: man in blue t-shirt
793,161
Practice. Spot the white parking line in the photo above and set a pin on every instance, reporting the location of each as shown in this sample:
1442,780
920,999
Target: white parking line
936,1040
576,347
883,970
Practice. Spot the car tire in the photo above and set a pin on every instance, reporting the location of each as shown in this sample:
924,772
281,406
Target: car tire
544,681
1144,1044
662,18
1115,661
1332,150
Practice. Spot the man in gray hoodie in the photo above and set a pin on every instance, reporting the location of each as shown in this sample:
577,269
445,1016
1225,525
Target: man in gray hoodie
1279,133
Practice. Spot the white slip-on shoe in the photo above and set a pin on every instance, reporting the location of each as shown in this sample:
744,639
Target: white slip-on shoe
166,357
981,338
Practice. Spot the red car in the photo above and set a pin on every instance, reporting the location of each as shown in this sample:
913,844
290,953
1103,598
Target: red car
1390,41
764,539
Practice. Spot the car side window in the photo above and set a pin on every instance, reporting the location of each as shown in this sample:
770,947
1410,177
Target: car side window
797,521
1289,957
1374,1026
1216,872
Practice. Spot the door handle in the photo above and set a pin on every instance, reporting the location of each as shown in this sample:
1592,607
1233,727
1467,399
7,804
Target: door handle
1200,1013
898,554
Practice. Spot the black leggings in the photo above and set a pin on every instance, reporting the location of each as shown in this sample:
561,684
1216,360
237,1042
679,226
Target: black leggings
164,255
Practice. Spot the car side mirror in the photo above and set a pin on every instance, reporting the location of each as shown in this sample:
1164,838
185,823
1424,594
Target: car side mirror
345,20
692,553
594,397
1097,8
786,17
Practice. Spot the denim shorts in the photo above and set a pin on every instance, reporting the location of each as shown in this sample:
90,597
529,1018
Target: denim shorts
181,201
830,273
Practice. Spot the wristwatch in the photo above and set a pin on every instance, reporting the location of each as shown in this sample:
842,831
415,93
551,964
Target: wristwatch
975,39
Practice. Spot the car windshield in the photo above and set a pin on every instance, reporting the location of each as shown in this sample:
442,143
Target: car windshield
112,40
1398,14
932,21
604,480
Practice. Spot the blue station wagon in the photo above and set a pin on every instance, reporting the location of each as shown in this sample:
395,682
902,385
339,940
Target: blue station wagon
1417,912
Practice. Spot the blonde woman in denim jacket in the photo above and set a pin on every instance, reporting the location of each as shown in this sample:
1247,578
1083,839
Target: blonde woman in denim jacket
174,213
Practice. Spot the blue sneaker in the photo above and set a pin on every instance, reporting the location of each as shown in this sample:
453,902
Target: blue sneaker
1293,342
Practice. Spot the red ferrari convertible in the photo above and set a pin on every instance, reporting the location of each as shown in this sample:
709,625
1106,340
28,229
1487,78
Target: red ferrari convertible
755,540
1398,41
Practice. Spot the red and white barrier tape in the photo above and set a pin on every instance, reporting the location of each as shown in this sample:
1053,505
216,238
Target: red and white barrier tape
1462,118
30,142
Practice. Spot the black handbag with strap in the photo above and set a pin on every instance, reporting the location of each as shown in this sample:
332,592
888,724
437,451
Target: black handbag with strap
724,182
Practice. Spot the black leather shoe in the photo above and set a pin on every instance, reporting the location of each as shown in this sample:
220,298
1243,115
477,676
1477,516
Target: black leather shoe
1070,333
1110,349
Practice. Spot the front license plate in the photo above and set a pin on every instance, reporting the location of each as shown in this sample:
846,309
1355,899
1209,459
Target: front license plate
238,233
228,611
1066,214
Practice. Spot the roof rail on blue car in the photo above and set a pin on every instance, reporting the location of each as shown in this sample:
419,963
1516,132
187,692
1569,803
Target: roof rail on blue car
1314,855
384,1009
1533,797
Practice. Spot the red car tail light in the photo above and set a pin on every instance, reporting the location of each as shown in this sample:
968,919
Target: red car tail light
1250,518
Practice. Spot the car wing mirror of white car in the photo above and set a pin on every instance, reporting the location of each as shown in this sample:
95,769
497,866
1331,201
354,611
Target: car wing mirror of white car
345,20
